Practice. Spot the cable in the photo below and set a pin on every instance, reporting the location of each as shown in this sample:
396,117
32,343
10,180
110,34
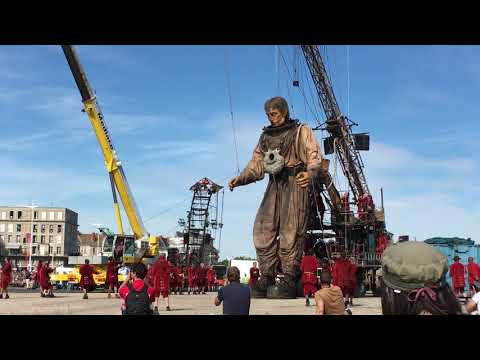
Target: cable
231,110
348,80
168,209
317,111
284,61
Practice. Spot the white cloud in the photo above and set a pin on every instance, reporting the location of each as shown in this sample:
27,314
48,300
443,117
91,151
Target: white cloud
46,183
430,215
27,142
387,157
111,55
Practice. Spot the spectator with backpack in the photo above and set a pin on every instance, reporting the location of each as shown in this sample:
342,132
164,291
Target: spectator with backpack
138,297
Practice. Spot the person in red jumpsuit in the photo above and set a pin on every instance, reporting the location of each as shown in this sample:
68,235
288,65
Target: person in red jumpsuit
351,282
211,278
161,281
382,243
87,283
174,273
202,278
457,272
179,279
6,277
361,207
36,276
340,273
254,275
111,278
473,273
192,279
44,280
149,277
308,267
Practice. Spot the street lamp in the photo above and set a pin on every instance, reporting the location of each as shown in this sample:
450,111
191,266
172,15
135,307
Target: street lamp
31,207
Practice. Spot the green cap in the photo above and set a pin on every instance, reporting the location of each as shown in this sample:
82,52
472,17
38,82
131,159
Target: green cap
412,265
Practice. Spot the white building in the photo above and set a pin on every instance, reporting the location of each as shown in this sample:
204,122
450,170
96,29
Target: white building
54,233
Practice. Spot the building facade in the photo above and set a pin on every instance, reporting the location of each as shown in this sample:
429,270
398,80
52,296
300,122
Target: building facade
90,244
54,234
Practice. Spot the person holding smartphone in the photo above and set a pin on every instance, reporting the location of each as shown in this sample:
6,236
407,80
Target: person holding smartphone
137,296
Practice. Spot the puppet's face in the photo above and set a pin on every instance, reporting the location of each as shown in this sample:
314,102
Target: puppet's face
276,116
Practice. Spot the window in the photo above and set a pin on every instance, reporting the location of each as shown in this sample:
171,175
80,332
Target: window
59,250
50,250
34,250
24,240
50,229
35,215
43,228
11,215
34,238
42,239
52,215
59,228
19,227
17,239
19,214
10,228
4,215
44,215
59,215
35,228
9,239
2,227
2,238
50,238
58,238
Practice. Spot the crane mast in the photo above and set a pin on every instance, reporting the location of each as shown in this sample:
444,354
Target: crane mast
336,124
113,164
362,236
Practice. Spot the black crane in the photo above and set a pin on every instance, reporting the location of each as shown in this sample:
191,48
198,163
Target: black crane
356,236
337,124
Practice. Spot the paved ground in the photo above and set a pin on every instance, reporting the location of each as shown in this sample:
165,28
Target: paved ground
23,302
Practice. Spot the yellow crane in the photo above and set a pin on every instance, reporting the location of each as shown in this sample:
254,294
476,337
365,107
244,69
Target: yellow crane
126,248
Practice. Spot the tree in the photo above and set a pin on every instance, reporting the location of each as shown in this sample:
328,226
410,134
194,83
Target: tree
223,262
243,258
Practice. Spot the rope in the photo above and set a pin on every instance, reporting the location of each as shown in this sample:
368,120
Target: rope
348,80
277,61
177,204
168,209
290,98
229,90
221,222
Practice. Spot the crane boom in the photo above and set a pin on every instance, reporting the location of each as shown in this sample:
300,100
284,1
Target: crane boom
113,165
336,124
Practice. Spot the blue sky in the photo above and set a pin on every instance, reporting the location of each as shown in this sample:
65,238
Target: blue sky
168,113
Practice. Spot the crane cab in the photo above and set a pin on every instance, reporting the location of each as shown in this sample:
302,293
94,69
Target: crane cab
121,247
